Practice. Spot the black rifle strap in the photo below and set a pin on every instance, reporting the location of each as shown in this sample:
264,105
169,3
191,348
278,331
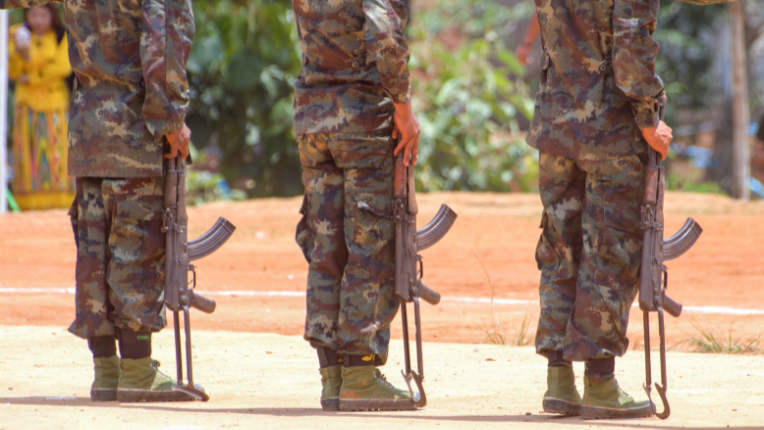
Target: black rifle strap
600,368
327,357
102,346
134,344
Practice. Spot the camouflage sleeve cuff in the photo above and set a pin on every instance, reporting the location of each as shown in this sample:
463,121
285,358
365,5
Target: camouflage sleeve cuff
645,114
403,97
162,128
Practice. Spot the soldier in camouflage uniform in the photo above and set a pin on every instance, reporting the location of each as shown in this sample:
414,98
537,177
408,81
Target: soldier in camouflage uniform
351,97
131,93
596,111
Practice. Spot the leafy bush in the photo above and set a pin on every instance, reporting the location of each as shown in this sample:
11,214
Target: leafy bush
246,57
467,100
241,71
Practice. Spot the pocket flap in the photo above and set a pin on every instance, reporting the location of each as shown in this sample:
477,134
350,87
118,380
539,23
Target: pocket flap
368,208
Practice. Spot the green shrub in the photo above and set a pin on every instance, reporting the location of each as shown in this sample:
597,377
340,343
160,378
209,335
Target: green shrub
241,71
467,100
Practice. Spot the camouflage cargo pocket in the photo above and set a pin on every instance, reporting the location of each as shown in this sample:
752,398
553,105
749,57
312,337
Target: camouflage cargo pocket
304,235
547,259
373,221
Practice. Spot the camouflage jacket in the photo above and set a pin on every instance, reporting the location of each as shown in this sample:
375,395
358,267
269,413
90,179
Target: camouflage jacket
129,57
354,65
598,83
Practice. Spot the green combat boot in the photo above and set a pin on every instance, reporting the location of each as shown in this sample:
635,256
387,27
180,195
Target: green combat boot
561,395
605,399
365,388
107,373
331,379
141,381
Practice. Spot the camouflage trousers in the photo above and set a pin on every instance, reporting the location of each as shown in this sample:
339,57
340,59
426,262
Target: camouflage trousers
117,227
589,254
348,238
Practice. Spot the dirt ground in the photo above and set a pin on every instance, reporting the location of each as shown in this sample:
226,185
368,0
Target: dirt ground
260,373
259,381
258,278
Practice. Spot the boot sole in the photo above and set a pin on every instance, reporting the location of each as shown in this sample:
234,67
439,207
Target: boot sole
562,407
600,412
103,395
376,405
330,405
128,395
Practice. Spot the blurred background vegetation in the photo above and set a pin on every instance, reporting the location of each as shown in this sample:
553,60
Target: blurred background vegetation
473,99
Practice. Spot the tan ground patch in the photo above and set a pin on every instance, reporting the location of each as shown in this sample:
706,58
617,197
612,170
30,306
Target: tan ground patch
271,381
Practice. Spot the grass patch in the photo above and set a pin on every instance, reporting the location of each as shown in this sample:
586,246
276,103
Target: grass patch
709,342
494,334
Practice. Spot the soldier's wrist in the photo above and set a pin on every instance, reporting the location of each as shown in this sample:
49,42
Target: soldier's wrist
401,98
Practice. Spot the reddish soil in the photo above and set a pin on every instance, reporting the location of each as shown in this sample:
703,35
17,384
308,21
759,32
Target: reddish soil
499,231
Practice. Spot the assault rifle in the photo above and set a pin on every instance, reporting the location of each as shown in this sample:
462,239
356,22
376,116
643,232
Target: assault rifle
179,253
409,268
653,280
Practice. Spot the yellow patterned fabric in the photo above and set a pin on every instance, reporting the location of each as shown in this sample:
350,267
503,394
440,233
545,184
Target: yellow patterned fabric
41,111
47,70
40,179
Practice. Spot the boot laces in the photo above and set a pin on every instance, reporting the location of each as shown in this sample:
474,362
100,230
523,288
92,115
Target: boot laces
155,364
381,378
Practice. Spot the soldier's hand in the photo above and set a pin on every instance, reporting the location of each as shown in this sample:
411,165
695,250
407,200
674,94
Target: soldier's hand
406,127
523,54
178,141
659,138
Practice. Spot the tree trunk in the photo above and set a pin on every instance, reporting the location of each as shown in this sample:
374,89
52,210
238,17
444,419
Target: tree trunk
741,157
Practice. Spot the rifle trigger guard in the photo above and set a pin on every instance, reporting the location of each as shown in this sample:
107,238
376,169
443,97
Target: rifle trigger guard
421,266
192,269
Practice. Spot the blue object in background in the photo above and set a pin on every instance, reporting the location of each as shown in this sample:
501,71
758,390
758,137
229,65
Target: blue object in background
224,188
702,158
756,187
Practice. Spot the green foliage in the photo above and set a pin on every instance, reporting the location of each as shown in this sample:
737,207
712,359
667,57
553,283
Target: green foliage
678,182
467,100
241,71
246,57
685,60
203,186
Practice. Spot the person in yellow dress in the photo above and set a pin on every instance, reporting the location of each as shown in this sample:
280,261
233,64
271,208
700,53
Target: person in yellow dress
38,61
